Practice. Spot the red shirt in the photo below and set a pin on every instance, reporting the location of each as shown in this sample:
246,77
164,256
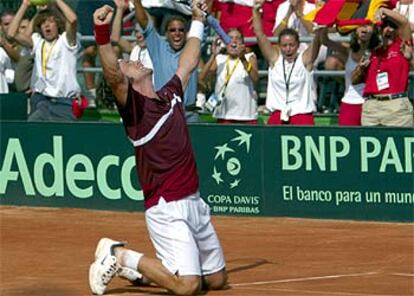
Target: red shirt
240,16
165,163
391,61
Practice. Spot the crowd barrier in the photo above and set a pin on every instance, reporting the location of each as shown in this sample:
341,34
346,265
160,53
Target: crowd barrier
292,171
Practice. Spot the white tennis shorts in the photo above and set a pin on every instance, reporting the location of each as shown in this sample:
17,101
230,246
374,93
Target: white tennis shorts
184,237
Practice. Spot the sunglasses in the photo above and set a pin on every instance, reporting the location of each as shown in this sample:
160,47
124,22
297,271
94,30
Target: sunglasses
172,30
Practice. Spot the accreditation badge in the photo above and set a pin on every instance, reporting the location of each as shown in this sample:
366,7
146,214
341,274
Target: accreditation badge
382,81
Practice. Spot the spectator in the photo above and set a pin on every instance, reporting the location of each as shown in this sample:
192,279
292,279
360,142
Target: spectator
165,54
406,8
291,92
361,42
162,10
385,74
6,71
55,51
290,15
236,72
9,46
238,14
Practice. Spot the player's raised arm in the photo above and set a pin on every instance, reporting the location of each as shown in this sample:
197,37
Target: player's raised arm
112,73
190,56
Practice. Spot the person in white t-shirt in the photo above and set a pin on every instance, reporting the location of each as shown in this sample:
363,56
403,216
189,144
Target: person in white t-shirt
236,73
291,90
5,69
55,45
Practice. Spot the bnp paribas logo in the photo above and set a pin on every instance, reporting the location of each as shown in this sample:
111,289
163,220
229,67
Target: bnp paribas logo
228,168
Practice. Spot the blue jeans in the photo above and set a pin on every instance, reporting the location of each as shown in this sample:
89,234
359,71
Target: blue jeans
44,108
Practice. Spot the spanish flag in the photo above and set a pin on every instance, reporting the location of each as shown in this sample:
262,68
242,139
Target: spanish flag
347,15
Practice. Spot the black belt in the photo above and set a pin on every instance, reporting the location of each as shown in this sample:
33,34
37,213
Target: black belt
387,97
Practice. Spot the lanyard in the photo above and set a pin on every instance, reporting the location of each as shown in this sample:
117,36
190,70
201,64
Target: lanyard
228,74
46,53
228,71
287,81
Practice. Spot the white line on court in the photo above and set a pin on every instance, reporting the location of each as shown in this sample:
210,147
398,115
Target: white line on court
403,274
307,292
312,278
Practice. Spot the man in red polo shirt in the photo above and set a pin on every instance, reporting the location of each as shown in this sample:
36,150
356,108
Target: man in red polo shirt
385,75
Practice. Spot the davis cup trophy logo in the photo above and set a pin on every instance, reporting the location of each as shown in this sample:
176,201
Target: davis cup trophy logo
227,168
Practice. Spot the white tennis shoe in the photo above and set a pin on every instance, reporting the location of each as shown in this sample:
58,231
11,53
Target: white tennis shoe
105,267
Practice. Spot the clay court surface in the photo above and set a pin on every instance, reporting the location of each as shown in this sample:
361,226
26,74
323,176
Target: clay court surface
47,251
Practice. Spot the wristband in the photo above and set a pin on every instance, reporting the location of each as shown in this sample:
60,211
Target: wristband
102,34
196,30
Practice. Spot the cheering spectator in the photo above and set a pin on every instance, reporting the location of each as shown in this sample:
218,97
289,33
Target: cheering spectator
54,81
236,73
9,46
6,71
238,14
385,74
362,40
161,11
165,54
291,92
290,15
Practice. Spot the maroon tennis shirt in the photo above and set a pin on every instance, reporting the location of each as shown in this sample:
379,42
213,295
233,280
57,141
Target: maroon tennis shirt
163,152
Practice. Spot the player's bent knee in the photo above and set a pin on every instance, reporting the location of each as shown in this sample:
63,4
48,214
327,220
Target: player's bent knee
188,286
216,281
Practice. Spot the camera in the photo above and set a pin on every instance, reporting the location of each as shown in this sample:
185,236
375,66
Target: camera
221,46
212,102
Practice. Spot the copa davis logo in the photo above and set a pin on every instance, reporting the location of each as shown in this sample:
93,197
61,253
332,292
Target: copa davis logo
227,173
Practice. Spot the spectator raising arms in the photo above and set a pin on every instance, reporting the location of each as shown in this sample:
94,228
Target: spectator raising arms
165,54
236,72
385,74
189,255
5,69
362,41
54,81
291,93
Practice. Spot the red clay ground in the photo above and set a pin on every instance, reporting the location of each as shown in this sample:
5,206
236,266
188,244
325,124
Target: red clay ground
48,251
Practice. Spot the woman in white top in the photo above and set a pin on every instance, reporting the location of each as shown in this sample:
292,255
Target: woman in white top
236,73
361,41
291,91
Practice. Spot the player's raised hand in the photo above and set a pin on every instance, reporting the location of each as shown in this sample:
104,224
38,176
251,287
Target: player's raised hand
199,8
103,15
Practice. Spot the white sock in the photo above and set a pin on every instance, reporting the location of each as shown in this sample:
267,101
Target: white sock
130,259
